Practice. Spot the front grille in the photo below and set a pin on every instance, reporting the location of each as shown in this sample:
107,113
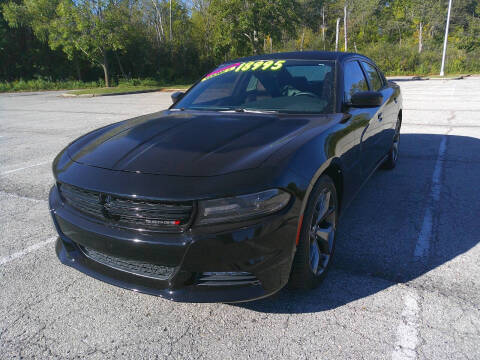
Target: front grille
140,268
88,202
227,279
139,214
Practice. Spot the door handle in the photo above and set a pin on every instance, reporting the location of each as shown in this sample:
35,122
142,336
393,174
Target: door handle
395,99
380,117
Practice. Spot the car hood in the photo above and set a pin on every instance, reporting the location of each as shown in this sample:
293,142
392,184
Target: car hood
188,143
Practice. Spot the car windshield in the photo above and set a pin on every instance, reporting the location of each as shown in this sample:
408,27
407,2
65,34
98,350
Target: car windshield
285,86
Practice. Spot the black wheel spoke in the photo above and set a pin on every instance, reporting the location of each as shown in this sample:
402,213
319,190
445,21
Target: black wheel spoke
322,232
314,255
325,238
323,206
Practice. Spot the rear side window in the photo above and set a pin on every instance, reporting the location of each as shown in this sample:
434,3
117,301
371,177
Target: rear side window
354,80
373,76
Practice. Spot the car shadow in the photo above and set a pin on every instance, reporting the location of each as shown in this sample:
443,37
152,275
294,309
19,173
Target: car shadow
378,234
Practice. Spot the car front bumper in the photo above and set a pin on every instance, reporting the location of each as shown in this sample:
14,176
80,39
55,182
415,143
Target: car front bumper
263,249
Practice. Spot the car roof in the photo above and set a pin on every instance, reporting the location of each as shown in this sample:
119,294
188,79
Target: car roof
304,55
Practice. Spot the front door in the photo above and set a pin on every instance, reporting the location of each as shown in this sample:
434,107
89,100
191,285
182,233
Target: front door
367,119
381,126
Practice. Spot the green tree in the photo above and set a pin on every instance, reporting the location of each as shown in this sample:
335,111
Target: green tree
424,15
243,25
36,14
91,27
57,39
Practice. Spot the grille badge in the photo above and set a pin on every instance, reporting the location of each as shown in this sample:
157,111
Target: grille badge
105,201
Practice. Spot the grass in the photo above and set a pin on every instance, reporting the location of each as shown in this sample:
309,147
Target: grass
92,87
42,84
120,89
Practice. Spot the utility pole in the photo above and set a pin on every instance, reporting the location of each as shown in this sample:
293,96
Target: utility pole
336,36
442,71
345,25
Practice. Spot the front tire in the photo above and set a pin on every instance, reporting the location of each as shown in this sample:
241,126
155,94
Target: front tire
317,237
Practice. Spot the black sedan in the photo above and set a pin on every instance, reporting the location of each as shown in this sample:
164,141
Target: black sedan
236,189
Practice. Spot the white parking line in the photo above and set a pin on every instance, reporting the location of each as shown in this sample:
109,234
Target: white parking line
23,168
423,241
34,247
15,196
407,332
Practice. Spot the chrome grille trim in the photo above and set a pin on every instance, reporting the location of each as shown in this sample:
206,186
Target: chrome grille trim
140,268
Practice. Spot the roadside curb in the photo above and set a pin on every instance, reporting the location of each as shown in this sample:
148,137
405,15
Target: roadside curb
75,95
421,78
123,93
460,77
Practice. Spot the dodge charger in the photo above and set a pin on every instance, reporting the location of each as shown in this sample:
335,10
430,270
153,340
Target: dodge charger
235,191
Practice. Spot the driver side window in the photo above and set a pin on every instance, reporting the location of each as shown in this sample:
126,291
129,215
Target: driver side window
353,79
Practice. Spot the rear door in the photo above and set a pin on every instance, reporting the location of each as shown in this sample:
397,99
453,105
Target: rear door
381,129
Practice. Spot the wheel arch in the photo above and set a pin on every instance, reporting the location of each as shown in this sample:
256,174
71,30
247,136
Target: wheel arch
334,169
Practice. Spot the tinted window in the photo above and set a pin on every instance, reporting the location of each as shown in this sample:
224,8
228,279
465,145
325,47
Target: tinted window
297,86
220,89
311,73
373,76
354,80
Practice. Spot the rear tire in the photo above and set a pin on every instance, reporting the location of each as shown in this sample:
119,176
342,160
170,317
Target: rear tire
392,158
317,237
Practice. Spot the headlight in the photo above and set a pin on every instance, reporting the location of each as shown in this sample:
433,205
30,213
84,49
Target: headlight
241,207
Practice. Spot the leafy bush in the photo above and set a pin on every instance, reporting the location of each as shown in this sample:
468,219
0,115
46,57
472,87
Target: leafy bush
139,82
396,59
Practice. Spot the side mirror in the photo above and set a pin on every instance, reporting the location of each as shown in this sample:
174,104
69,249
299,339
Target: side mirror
366,99
177,96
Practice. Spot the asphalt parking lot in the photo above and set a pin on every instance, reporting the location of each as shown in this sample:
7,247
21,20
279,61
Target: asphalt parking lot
405,283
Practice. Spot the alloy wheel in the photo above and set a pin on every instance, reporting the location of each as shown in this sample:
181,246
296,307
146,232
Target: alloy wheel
322,232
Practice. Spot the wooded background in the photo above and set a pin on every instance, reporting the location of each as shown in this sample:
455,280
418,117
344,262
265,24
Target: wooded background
178,41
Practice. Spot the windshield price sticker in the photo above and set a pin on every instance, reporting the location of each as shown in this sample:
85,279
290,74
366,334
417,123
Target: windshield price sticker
260,65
